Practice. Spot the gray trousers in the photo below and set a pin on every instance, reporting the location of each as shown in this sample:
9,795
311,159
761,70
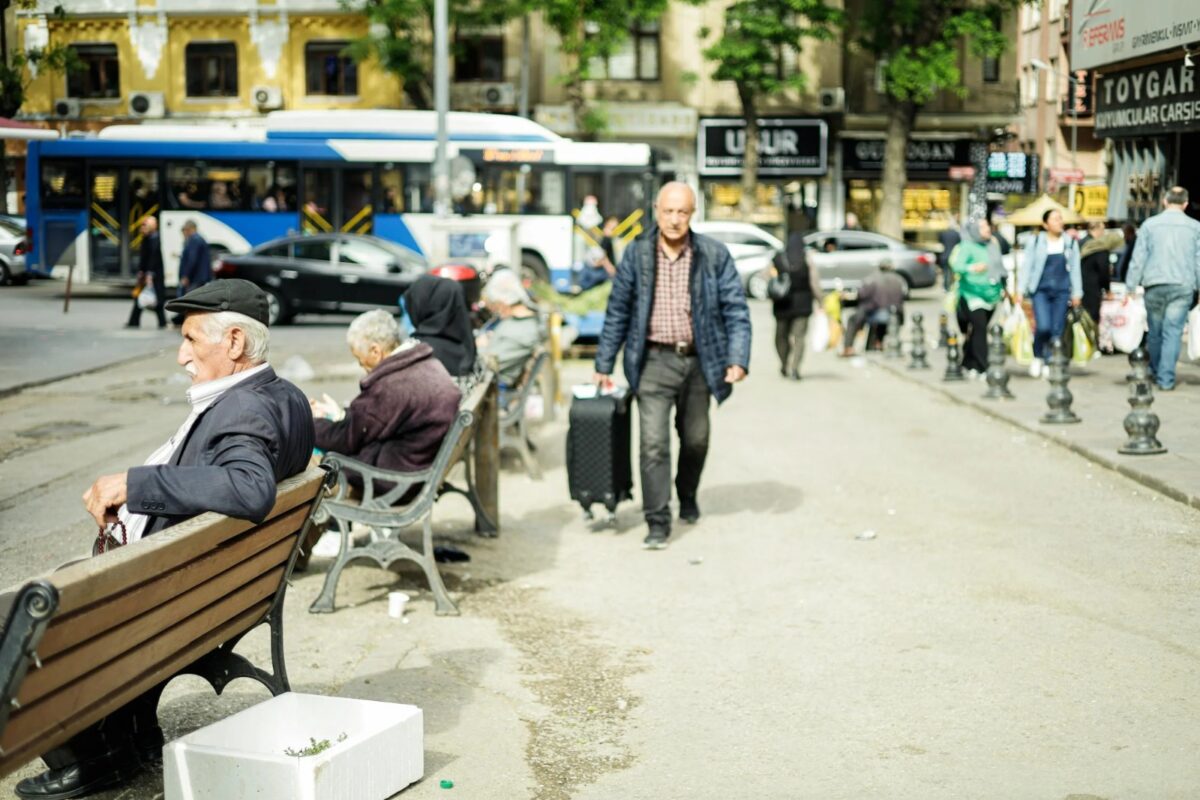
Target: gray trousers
789,343
669,379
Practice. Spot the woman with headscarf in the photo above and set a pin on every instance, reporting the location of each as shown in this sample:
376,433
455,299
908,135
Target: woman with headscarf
1095,267
977,262
792,312
440,318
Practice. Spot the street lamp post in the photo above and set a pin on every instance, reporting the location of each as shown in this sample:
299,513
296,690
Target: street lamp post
1072,81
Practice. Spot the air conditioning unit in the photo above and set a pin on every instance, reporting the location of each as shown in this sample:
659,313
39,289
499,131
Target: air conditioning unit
146,104
68,108
267,97
832,100
497,95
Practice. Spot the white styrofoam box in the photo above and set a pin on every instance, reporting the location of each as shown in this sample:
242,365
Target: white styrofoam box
243,756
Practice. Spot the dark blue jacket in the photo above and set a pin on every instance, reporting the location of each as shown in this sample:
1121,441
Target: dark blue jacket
720,316
195,264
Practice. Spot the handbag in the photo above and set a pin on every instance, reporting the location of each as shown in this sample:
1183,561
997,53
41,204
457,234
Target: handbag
780,286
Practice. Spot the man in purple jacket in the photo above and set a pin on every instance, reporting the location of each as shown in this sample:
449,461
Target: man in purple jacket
407,404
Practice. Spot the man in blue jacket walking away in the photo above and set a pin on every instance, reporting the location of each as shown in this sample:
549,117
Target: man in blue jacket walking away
678,309
195,265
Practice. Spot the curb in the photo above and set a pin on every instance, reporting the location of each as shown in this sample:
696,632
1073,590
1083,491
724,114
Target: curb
1149,481
9,391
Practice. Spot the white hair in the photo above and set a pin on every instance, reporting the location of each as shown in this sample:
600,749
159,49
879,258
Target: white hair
258,340
671,186
375,327
504,286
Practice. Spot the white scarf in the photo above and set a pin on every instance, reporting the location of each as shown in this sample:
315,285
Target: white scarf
201,396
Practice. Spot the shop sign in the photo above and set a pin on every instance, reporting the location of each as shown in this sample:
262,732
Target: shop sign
962,174
786,147
1092,202
1105,31
1078,101
662,120
1061,175
934,157
1148,100
1012,173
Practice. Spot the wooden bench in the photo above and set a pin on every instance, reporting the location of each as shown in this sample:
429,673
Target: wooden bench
472,440
513,434
86,640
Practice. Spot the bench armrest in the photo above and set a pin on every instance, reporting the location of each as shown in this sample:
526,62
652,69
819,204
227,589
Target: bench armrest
345,465
32,608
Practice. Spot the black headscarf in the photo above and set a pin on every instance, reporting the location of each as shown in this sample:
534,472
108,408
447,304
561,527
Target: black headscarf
437,308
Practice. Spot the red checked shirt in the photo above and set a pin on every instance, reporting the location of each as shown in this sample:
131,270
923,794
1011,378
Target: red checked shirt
671,313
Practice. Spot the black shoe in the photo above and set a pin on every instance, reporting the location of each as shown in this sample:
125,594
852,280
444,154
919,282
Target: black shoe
76,780
689,512
656,539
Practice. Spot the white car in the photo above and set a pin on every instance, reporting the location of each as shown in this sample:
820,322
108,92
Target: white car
752,248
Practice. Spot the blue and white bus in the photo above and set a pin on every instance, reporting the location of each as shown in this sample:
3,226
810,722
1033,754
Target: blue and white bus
298,171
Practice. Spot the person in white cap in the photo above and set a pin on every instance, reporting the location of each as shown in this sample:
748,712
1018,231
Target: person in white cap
517,333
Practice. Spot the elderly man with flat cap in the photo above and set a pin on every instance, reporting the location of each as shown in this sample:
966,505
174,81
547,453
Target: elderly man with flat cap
248,429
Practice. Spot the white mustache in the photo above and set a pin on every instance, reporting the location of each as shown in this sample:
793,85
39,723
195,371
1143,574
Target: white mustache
190,369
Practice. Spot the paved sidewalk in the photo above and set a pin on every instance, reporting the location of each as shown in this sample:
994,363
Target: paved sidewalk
1101,401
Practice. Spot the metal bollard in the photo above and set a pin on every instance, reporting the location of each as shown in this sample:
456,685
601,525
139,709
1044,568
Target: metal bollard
954,371
1141,424
997,372
943,330
891,348
1059,398
918,360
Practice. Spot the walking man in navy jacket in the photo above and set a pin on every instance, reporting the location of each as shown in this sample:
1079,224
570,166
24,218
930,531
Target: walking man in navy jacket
195,265
678,308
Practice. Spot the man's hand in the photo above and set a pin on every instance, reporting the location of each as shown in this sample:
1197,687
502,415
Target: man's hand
734,374
602,380
105,496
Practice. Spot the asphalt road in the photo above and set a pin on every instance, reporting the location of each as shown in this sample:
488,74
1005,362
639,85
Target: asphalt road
889,595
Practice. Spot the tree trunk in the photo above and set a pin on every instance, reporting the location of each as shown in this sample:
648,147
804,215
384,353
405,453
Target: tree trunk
749,198
895,168
417,95
576,100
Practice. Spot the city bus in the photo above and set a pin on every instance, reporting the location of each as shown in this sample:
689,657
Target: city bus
247,182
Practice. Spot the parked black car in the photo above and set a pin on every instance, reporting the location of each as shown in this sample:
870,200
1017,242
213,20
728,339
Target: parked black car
329,273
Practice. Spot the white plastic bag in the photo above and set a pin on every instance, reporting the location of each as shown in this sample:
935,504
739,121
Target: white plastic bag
1193,333
1129,324
818,332
147,297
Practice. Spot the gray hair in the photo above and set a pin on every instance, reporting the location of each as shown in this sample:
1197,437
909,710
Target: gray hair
670,185
375,327
258,339
504,286
1177,196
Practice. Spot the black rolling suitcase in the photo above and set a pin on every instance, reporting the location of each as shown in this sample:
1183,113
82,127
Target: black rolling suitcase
598,452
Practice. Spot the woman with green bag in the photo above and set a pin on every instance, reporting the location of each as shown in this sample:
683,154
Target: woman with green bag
977,263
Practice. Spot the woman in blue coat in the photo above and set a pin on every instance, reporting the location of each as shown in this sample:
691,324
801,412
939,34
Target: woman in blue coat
1051,278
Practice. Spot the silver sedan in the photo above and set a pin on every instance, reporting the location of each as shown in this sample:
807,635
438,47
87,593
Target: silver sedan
845,259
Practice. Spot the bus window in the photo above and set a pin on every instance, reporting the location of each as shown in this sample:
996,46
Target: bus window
628,195
419,188
584,184
62,184
544,191
318,201
392,180
271,186
198,185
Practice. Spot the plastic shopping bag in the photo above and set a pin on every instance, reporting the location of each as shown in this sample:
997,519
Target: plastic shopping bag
1110,310
818,331
1021,342
1193,333
1129,324
833,306
1084,344
147,298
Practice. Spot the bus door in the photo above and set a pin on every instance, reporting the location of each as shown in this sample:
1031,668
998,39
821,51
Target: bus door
119,199
338,200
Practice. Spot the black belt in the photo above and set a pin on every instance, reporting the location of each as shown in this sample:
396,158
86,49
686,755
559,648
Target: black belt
679,348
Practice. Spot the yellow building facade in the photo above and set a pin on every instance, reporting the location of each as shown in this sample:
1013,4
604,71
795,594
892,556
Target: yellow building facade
152,59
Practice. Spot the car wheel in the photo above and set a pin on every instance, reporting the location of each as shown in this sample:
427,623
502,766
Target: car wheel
5,275
907,284
756,285
278,311
533,268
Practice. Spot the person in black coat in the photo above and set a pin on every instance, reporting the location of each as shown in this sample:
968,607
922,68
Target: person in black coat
1095,266
437,309
150,274
792,312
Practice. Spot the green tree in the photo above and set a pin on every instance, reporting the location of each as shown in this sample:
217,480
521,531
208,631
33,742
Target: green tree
921,42
758,50
401,36
590,31
17,71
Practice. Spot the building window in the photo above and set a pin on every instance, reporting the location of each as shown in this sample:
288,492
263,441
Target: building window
211,69
479,58
1031,14
991,69
329,68
1052,91
100,75
636,58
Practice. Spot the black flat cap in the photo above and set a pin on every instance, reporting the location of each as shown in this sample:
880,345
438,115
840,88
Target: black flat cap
227,294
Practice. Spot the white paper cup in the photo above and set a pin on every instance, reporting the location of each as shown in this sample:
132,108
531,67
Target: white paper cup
396,603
